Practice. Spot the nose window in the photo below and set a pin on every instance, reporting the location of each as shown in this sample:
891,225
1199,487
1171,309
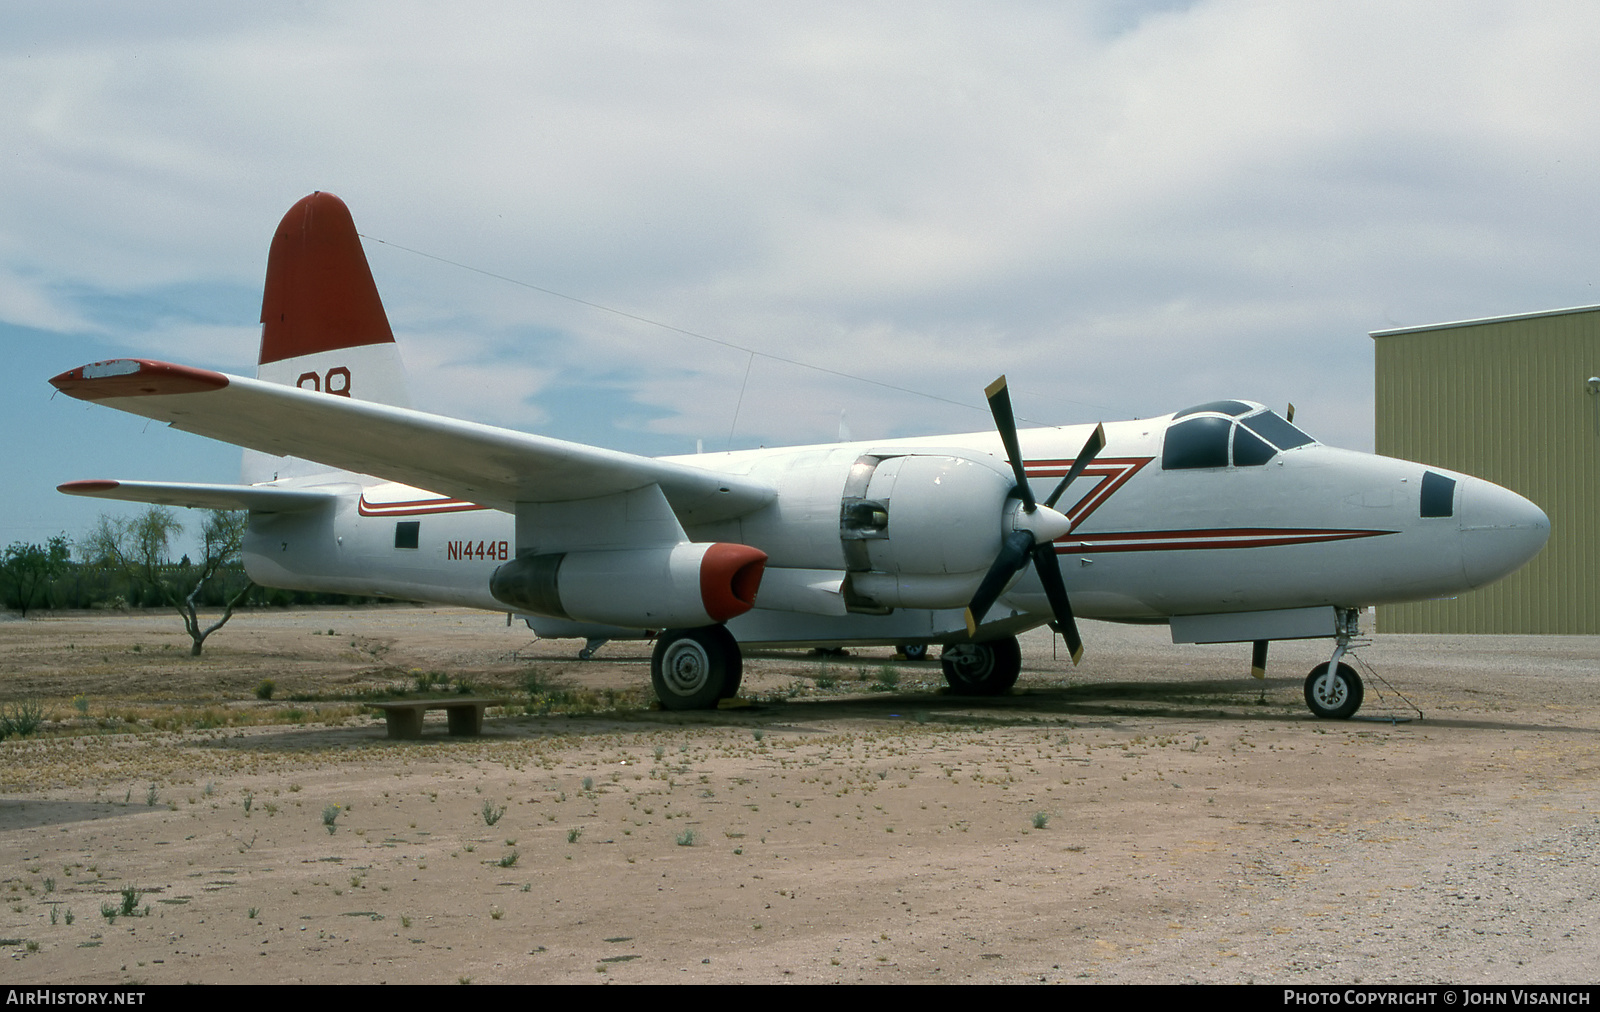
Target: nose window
1438,495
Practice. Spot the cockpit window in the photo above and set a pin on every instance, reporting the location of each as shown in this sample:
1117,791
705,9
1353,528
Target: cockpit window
1249,451
1199,442
1234,408
1271,427
1205,441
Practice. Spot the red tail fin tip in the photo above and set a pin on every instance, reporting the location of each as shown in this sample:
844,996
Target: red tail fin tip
319,293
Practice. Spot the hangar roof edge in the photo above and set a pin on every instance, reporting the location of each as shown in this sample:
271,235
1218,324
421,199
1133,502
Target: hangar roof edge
1478,322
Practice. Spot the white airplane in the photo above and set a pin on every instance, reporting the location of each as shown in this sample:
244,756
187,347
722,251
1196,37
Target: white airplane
1223,520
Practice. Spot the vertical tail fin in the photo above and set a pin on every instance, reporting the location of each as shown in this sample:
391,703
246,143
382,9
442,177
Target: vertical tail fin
322,322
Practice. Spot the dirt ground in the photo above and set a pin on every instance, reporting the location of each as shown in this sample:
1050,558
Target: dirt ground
1154,815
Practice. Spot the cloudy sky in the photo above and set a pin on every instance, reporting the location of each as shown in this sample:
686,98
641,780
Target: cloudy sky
1127,207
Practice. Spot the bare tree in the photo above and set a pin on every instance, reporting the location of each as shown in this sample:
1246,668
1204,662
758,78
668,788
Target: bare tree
138,548
222,536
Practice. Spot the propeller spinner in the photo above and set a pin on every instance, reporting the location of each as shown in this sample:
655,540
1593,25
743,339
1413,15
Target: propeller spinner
1031,527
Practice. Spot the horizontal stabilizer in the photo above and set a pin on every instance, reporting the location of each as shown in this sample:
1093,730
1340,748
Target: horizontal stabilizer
493,467
214,497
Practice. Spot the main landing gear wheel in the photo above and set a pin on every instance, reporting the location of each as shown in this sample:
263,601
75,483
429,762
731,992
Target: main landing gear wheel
1338,701
982,669
915,651
693,668
730,685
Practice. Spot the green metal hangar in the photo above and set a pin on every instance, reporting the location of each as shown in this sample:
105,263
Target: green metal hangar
1515,400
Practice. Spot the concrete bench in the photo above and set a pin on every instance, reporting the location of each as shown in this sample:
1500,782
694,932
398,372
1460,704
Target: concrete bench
464,716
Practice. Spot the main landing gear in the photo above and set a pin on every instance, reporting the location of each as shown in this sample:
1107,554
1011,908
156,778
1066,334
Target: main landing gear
692,669
1333,689
982,669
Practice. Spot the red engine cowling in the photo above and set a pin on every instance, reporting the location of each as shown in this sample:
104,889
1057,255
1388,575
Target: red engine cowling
678,587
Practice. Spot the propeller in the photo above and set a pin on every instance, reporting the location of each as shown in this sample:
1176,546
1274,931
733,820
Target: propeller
1032,527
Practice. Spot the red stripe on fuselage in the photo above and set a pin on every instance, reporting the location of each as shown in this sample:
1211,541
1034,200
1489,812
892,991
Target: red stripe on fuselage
1118,469
414,507
1198,540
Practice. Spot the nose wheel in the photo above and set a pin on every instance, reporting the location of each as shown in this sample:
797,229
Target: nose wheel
1337,697
1334,690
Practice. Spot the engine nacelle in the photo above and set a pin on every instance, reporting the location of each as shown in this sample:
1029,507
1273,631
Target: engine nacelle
678,587
920,530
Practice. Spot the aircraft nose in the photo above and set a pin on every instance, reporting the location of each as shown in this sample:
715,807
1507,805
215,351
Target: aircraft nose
1500,531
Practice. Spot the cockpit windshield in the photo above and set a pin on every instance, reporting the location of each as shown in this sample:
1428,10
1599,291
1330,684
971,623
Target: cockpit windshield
1220,433
1269,425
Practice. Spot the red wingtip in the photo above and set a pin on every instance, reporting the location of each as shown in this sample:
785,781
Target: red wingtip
135,377
87,486
319,294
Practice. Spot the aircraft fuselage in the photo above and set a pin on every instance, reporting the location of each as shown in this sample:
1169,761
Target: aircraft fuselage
1311,526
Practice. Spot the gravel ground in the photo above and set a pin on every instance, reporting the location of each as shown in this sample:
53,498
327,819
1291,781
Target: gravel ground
1152,816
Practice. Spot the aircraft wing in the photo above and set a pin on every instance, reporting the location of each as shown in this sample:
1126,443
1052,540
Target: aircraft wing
204,496
490,466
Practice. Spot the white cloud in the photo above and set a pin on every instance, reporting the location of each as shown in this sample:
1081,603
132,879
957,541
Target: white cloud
1126,207
26,303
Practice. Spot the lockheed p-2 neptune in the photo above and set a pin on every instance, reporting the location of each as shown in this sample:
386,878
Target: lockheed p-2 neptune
1224,520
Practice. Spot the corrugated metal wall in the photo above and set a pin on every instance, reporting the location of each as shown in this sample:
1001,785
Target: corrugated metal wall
1505,400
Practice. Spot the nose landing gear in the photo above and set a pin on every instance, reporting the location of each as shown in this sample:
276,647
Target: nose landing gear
1334,690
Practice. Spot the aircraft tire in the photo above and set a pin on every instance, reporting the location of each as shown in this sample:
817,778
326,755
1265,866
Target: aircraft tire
915,651
693,668
730,687
982,669
1345,698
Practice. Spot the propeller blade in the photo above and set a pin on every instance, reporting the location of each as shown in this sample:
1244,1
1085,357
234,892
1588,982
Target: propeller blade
1013,556
1091,449
1021,545
1006,421
1055,589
